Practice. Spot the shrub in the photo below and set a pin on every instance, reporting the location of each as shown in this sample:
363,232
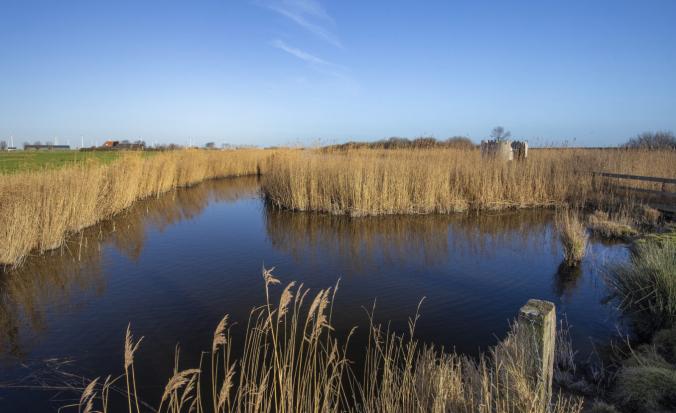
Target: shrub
459,142
652,140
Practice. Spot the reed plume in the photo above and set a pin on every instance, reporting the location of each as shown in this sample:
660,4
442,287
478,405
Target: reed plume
130,348
287,366
86,404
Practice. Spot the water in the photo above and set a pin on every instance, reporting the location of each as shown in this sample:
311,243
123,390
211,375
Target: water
173,266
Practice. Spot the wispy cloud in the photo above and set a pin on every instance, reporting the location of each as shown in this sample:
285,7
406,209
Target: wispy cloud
308,14
300,54
317,63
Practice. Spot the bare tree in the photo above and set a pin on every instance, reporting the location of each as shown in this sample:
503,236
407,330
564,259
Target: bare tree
652,140
500,134
3,145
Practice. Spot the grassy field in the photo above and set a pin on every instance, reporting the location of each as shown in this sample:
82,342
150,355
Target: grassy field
21,161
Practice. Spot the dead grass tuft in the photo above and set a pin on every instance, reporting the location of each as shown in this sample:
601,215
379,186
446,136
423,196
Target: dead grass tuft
573,236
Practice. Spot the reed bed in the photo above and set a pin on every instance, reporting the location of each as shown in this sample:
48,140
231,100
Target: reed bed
40,209
419,181
292,362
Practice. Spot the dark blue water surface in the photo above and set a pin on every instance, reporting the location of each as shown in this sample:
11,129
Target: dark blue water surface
173,266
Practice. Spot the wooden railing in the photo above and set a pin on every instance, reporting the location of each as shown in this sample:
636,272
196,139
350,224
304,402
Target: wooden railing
637,177
663,199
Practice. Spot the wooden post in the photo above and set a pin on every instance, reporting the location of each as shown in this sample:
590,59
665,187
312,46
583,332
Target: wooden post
540,318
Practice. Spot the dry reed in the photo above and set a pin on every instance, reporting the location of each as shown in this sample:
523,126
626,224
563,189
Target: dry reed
408,181
291,362
39,210
573,236
617,226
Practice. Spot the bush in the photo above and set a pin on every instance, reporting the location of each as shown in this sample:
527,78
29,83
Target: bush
456,142
459,142
652,140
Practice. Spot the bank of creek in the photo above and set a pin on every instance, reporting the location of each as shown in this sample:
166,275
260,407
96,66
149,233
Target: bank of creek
173,266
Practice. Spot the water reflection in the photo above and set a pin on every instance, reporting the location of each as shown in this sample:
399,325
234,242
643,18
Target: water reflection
566,280
424,240
172,266
65,278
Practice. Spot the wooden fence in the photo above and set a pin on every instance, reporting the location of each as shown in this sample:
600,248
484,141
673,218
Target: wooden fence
667,197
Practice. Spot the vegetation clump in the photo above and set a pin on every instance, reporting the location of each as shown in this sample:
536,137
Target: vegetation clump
653,141
646,285
646,382
573,236
601,224
456,142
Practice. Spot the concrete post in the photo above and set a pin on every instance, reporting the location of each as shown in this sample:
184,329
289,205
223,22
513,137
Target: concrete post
540,318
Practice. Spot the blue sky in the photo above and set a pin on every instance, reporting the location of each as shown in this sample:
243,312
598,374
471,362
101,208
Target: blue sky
304,71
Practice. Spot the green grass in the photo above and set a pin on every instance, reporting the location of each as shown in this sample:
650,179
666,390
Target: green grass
646,285
20,161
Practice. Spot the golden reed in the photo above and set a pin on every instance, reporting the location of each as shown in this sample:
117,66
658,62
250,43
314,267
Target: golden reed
293,361
38,210
409,181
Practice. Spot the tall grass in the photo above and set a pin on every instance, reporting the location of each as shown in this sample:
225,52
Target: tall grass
40,209
421,181
292,362
618,226
573,236
646,285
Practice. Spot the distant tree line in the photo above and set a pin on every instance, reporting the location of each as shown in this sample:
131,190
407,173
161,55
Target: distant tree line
456,142
652,140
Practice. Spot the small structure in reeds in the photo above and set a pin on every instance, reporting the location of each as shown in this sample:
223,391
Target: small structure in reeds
506,150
